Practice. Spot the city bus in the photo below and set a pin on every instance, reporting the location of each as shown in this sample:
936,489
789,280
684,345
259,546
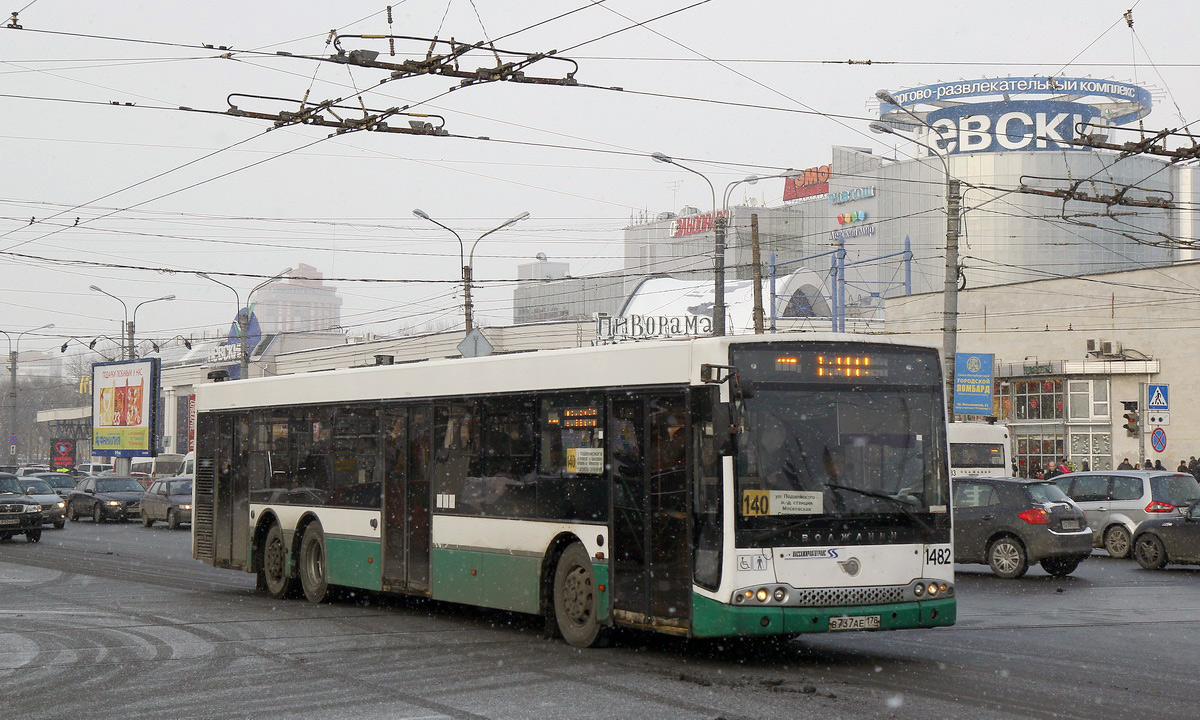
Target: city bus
980,450
710,487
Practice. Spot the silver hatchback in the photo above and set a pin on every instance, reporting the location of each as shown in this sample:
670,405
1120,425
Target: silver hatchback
1115,501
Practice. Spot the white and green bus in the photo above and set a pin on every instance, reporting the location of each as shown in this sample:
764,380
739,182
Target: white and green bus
708,487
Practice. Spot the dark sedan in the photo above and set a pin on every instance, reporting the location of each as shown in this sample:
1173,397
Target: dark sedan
1169,540
61,482
105,498
1009,523
19,513
169,500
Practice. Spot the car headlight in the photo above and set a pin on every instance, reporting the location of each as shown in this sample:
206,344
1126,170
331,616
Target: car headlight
33,508
60,505
185,507
114,503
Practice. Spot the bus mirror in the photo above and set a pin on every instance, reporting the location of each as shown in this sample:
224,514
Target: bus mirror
723,428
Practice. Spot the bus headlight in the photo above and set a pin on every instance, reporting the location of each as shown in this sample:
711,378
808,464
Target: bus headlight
762,595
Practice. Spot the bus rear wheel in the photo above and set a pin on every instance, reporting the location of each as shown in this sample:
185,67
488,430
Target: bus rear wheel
575,599
314,575
274,571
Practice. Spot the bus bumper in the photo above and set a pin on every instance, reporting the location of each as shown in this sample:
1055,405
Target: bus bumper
714,619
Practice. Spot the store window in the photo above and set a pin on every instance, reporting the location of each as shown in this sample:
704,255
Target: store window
1092,446
1038,399
1037,449
1087,400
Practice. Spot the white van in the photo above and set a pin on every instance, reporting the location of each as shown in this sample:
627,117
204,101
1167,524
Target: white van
166,465
94,468
979,450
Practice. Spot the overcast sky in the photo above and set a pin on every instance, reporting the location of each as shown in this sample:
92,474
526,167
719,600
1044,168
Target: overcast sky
113,174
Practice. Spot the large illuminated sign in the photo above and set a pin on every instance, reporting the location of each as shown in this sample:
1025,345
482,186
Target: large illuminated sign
124,408
693,224
1020,113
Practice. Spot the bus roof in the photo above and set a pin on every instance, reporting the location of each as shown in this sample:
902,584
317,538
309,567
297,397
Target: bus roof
646,363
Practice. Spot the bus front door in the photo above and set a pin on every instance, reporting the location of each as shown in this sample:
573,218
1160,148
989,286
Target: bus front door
406,522
650,563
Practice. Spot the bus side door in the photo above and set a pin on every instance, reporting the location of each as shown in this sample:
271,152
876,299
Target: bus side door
647,465
406,520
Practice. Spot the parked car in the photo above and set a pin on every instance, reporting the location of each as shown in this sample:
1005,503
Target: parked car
105,498
169,500
32,470
18,512
1010,523
1165,540
1117,500
61,482
54,508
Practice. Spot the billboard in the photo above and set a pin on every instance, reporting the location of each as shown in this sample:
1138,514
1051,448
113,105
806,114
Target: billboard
125,408
1016,113
807,183
62,454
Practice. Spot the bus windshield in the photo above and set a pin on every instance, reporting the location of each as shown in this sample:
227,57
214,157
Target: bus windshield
819,452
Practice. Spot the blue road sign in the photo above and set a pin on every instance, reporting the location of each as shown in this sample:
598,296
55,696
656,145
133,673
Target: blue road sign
1158,397
1158,439
973,383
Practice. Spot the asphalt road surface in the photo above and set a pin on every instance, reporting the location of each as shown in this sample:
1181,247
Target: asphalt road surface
117,620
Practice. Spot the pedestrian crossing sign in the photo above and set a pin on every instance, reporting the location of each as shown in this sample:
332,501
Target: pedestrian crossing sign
1158,397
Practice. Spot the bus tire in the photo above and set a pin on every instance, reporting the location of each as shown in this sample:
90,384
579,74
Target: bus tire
314,568
274,571
576,601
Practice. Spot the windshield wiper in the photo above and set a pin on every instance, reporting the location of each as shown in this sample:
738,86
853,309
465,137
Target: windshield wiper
905,506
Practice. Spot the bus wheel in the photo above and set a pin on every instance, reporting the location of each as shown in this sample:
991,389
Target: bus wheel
275,576
314,577
575,601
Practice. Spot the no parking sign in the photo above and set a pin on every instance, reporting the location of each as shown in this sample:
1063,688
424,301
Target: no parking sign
1158,439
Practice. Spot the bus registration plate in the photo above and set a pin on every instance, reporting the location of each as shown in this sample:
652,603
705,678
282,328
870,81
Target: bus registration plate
857,622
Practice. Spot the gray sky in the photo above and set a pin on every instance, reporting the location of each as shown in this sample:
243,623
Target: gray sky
180,192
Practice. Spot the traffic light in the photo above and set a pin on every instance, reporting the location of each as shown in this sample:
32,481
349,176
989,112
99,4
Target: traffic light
1131,423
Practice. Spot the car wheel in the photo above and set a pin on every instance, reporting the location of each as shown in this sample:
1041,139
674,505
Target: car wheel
33,536
274,574
5,536
314,576
146,521
575,599
1116,541
1060,567
72,513
1006,555
1149,551
60,524
172,519
97,514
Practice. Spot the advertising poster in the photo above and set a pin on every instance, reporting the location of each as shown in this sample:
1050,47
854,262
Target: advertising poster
124,398
62,454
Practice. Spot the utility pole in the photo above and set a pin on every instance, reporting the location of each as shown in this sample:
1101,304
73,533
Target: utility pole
756,259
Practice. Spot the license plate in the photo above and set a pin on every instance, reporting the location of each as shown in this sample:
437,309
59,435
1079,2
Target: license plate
10,521
856,622
1070,524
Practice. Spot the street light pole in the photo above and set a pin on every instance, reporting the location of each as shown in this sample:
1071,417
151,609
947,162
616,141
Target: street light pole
718,246
750,180
950,279
467,262
14,350
126,335
132,355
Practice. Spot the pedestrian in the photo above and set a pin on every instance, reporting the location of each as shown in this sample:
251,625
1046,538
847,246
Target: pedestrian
1158,465
1147,465
1182,467
1050,472
1194,466
1125,465
1064,467
1086,466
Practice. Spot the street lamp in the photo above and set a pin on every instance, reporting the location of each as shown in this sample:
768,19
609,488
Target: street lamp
718,249
950,282
468,261
755,260
127,323
243,316
13,351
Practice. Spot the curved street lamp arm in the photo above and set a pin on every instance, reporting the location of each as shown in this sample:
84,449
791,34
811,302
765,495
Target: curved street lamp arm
506,223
